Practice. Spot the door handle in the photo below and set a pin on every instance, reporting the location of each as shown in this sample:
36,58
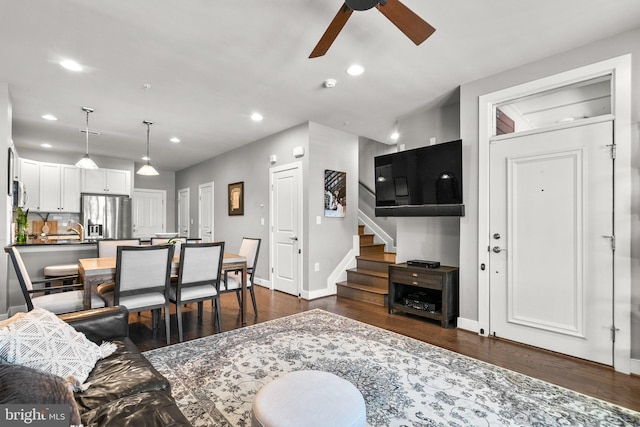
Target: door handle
498,249
294,238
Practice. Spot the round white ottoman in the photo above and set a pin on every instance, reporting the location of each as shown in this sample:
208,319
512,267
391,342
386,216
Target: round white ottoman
309,399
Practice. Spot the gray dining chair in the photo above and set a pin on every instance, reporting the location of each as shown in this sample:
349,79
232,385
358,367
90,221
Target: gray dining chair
198,279
249,248
56,299
142,281
108,248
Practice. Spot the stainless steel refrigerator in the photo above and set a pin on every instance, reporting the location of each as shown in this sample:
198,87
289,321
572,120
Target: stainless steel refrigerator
106,217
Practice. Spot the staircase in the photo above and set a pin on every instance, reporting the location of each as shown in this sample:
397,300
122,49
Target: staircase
369,281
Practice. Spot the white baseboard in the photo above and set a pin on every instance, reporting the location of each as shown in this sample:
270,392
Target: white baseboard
262,282
317,294
468,325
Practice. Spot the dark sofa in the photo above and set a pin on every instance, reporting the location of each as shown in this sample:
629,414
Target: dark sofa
125,389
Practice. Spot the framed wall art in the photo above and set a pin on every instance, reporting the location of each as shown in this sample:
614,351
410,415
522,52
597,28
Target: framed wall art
236,198
335,194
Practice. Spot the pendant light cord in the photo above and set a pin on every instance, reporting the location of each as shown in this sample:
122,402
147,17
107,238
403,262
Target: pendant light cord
87,132
148,131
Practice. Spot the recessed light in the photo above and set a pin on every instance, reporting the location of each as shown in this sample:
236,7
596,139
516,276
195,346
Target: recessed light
355,70
71,65
175,140
395,136
46,145
256,117
49,117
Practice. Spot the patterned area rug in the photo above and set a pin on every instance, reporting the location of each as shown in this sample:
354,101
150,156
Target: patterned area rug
404,382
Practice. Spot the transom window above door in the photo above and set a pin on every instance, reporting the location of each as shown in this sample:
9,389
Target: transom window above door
562,105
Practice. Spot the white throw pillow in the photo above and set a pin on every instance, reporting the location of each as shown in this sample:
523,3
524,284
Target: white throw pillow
40,340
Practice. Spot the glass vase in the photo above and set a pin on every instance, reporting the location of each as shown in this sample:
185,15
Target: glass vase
21,235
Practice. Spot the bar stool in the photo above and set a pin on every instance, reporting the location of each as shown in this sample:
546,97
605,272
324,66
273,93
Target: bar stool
65,272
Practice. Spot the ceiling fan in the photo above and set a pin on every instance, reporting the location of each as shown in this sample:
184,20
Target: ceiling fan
414,27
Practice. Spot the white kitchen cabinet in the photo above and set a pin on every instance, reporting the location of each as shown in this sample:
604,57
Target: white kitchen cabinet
106,181
59,188
30,176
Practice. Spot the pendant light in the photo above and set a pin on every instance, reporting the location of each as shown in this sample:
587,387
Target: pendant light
86,162
147,169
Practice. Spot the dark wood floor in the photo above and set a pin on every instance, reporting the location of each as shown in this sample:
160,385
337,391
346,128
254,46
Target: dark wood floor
579,375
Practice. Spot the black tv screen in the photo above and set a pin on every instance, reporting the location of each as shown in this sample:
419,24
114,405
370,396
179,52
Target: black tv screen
425,181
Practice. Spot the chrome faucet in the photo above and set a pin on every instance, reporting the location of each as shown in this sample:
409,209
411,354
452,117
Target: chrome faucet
79,231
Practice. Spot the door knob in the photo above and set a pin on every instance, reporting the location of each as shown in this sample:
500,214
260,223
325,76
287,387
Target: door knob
497,249
294,238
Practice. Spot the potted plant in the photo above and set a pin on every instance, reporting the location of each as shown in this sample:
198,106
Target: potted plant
22,225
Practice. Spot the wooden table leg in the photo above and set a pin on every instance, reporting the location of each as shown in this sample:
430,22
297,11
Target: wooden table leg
87,288
243,298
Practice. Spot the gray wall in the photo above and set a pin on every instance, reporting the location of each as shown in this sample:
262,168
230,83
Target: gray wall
327,243
325,148
5,212
604,49
249,163
431,238
368,150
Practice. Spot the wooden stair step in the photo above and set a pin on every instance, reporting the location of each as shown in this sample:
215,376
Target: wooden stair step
385,257
376,279
360,229
362,293
369,249
367,239
376,261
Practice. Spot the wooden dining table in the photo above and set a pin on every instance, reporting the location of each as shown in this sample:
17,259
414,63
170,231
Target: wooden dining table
94,271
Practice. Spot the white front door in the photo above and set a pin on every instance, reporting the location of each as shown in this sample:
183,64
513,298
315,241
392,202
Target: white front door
286,244
148,212
551,262
205,207
183,212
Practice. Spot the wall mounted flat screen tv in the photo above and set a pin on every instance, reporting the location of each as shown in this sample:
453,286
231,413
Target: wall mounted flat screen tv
425,181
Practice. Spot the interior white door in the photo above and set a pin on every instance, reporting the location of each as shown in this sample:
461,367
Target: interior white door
286,204
183,212
148,212
205,208
551,264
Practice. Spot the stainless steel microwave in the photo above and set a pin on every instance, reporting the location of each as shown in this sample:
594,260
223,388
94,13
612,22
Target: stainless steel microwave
19,194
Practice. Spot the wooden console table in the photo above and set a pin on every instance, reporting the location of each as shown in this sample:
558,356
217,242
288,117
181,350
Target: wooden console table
428,292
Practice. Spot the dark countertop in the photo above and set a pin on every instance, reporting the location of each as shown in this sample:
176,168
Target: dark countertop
57,243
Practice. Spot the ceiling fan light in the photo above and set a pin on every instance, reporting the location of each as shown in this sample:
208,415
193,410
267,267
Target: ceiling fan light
86,163
362,4
147,170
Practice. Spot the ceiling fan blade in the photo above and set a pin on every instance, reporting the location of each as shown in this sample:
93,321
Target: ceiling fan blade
414,27
332,31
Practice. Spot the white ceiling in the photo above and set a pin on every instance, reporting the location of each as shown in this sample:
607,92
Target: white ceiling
210,64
